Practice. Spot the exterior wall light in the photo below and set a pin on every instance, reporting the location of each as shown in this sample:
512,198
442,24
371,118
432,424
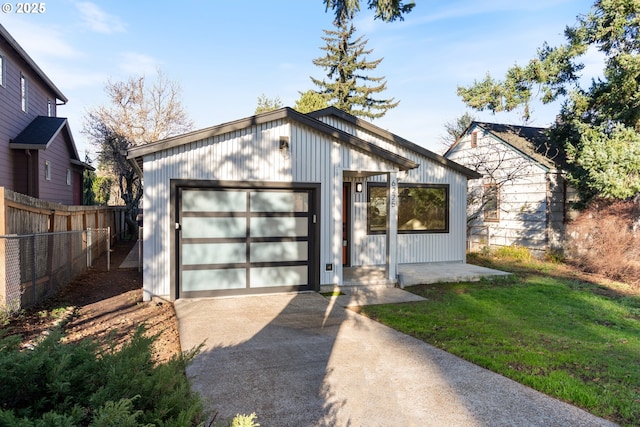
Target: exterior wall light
358,187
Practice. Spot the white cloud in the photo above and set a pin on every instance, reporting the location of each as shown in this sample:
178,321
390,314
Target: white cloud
138,63
98,20
39,40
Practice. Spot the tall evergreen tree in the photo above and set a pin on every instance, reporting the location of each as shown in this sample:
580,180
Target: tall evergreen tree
346,63
310,101
386,10
598,127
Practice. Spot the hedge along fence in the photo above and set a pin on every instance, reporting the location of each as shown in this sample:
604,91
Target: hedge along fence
47,223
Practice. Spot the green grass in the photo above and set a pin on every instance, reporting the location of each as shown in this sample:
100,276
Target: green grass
571,339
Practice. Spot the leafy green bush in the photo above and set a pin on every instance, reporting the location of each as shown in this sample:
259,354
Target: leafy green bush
80,384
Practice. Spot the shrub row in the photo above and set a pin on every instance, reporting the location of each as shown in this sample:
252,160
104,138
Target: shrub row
79,384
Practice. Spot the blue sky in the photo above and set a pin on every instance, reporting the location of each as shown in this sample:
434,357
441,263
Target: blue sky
225,54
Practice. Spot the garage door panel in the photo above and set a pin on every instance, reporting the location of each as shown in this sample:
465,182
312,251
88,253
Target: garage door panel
208,280
214,201
279,201
263,277
279,251
214,253
213,227
238,239
279,226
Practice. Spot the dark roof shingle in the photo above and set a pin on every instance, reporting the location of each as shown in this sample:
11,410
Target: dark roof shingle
40,132
532,141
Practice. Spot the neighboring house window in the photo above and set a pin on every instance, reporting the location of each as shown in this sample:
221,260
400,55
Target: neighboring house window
491,202
422,208
474,139
68,176
47,170
23,92
2,70
50,108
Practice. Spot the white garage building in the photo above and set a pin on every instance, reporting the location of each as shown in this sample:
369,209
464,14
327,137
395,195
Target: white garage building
284,201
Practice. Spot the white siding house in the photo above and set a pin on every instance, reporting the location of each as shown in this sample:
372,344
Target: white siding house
283,201
523,197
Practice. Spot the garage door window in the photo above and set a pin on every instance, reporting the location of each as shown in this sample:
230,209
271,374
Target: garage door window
241,239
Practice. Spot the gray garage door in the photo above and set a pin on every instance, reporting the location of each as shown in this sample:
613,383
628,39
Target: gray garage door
245,240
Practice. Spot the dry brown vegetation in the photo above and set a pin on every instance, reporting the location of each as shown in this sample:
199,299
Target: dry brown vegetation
602,240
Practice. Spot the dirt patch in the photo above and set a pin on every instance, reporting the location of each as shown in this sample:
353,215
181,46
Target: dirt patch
102,305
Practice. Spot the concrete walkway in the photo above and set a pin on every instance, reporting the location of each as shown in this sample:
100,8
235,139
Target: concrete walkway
131,261
418,274
304,360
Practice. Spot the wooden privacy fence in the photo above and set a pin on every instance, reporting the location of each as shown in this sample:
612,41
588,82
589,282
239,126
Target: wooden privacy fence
43,245
20,214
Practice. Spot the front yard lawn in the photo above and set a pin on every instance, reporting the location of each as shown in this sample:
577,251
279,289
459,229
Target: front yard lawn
546,327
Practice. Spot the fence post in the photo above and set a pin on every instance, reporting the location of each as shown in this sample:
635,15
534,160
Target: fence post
33,266
108,249
140,249
89,245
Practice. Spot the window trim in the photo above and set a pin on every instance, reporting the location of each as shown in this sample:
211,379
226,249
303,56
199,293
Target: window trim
47,170
50,108
401,186
24,93
487,213
3,69
474,139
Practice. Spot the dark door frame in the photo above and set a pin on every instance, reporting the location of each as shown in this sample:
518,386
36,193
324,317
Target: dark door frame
176,187
346,224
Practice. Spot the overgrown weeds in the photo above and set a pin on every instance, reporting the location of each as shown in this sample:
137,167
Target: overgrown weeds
602,240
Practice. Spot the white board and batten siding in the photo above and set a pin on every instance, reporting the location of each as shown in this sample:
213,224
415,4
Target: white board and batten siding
252,152
412,248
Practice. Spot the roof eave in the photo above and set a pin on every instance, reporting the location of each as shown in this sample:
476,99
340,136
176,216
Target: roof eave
471,174
16,46
83,165
280,114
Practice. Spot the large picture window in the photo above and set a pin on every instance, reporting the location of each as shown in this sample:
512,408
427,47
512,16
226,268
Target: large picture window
421,209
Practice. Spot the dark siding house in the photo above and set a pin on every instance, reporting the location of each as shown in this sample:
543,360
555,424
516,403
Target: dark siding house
38,156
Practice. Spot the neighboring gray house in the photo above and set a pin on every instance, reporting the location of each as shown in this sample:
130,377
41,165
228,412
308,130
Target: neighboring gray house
38,156
523,198
285,201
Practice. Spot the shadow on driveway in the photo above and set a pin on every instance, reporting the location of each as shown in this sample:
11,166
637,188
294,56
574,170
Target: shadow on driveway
303,360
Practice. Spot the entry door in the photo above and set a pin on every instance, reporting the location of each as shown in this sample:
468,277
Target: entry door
245,240
346,223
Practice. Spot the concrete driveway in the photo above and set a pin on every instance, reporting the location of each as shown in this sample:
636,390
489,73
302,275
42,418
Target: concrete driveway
304,360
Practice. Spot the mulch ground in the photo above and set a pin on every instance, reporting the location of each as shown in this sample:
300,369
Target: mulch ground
102,305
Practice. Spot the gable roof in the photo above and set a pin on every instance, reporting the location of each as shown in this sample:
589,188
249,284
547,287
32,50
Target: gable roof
13,44
531,141
333,111
41,132
136,153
